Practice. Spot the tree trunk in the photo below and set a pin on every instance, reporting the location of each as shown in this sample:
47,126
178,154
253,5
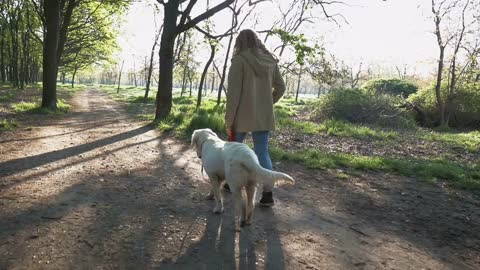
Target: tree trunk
25,59
190,79
14,59
204,74
166,54
438,87
63,77
204,86
224,71
319,91
120,77
150,66
213,81
298,85
134,74
3,75
73,76
50,43
184,79
65,23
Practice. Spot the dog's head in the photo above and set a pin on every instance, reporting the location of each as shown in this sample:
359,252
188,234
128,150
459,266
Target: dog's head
200,136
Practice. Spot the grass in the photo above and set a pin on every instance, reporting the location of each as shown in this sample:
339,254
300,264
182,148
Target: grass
427,170
331,127
345,129
468,141
35,108
129,93
185,118
8,125
7,96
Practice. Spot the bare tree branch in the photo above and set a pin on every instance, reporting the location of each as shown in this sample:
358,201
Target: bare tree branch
207,14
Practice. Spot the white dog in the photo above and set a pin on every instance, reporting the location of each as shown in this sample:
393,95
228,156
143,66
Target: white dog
238,165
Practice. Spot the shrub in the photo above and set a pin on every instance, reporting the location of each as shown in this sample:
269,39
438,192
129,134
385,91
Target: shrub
355,106
465,109
394,87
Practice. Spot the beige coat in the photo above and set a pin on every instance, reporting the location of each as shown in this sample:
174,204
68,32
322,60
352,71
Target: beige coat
250,98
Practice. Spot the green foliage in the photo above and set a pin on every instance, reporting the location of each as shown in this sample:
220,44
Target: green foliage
467,177
465,107
35,108
8,125
355,106
92,37
299,43
390,86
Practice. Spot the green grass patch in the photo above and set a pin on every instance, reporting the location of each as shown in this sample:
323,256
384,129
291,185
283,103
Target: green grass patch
8,125
469,141
130,93
342,176
466,177
35,108
345,129
185,117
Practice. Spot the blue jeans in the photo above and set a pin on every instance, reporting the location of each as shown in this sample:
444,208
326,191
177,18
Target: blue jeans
260,146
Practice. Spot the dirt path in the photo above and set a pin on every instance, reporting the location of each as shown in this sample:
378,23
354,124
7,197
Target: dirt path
97,190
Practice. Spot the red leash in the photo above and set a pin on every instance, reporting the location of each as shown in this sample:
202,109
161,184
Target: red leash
231,138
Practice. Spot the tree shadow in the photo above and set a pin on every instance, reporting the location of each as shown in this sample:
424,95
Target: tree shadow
378,212
22,164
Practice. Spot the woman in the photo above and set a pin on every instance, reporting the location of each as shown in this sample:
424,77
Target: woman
253,74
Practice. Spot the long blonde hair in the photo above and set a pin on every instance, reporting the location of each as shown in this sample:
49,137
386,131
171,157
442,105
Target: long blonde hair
248,39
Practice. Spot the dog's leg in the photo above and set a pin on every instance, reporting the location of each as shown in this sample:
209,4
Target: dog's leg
250,189
217,194
240,212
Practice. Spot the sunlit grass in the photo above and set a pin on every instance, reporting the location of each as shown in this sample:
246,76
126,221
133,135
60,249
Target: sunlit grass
344,129
427,170
469,141
130,93
8,125
35,108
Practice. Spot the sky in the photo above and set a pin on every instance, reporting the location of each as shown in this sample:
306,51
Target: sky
382,33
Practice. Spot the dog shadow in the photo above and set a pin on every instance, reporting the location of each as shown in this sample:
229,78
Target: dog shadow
222,247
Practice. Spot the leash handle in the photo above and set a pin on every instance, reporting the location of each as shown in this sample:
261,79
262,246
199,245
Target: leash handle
231,138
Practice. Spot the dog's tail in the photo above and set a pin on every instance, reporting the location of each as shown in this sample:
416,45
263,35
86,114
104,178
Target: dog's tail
266,176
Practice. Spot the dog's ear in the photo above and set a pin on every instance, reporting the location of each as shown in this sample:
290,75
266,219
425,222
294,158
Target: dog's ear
194,138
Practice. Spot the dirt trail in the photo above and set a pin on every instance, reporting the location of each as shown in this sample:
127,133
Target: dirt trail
98,190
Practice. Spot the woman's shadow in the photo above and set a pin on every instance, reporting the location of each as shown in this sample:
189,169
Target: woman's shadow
221,247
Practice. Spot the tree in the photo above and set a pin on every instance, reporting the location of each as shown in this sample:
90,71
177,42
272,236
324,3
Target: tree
59,20
213,47
150,66
50,53
19,51
175,22
453,20
321,70
92,39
